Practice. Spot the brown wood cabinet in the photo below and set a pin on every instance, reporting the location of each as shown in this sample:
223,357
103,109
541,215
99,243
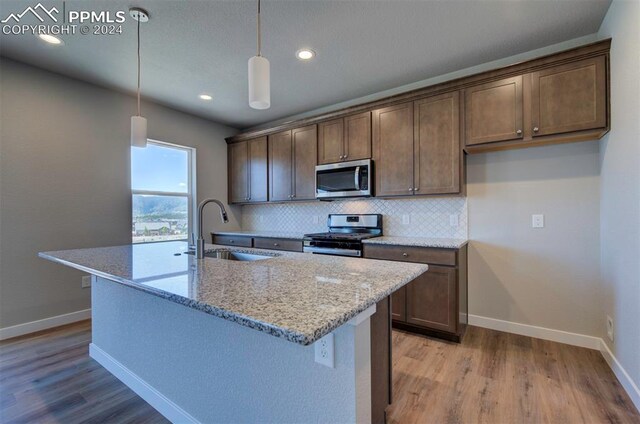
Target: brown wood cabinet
393,150
413,137
437,153
432,299
416,147
292,162
570,97
435,303
563,103
248,171
494,111
345,139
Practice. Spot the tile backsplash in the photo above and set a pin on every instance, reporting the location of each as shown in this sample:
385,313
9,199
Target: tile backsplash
401,217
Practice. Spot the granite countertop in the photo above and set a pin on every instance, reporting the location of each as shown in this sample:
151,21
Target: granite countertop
446,243
267,234
296,296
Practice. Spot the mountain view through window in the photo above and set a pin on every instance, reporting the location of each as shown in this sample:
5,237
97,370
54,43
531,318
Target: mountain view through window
161,193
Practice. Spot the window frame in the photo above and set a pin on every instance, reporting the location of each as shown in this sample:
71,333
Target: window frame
190,195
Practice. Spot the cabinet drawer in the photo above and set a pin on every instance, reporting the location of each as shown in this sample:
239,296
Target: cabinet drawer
427,255
232,240
277,244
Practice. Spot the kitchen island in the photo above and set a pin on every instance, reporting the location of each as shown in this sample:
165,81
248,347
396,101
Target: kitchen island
219,340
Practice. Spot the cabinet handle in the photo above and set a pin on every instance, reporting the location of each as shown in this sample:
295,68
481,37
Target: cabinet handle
410,188
519,132
345,156
536,129
405,254
416,189
276,244
341,156
293,195
230,240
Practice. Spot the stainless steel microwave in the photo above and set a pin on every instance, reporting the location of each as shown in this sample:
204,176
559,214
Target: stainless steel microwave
344,179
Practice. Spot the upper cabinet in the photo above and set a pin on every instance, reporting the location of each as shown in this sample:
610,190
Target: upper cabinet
418,139
561,103
416,147
494,111
569,97
393,150
247,162
292,162
345,139
437,152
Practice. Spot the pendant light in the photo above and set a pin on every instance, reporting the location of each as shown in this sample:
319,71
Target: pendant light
259,84
139,123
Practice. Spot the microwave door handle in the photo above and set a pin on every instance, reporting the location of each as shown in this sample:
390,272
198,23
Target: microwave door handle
357,178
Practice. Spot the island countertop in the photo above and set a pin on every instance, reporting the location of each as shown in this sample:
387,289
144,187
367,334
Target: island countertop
296,296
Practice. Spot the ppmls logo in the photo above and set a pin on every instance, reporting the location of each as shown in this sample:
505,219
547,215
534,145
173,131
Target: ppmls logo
15,17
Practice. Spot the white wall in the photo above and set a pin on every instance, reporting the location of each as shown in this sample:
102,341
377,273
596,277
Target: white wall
65,180
620,188
547,277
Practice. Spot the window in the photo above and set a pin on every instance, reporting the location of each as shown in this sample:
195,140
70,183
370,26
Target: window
162,192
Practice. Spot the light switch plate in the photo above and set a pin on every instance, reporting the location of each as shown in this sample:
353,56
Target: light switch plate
453,220
86,281
537,221
406,219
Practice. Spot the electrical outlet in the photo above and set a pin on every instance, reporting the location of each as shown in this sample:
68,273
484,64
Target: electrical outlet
610,327
537,221
86,281
316,219
261,218
453,220
324,351
406,219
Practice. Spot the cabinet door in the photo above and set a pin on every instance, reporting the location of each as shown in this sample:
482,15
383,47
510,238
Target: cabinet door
305,145
238,172
431,299
493,111
393,150
437,144
357,136
569,97
398,299
330,141
257,149
280,166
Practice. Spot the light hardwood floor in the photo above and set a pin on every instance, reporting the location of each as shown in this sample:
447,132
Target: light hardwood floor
491,377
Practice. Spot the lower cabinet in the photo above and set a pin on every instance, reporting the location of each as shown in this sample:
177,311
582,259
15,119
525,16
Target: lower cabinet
435,303
290,245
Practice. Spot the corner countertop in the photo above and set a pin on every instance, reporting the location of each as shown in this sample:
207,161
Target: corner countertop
296,296
443,243
266,234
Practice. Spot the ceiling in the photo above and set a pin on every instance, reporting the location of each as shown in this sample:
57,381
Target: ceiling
363,47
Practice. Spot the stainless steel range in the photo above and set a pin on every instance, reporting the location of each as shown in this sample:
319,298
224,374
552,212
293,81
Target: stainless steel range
345,235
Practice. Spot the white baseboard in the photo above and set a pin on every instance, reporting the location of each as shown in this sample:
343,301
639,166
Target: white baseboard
166,407
43,324
543,333
629,385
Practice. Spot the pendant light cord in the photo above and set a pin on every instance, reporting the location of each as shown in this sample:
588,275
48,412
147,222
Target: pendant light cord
259,37
138,66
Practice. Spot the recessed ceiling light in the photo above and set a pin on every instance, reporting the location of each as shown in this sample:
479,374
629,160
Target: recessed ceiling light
305,54
50,39
205,97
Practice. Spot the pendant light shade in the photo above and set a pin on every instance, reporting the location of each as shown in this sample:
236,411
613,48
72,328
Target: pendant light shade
259,83
139,123
259,76
138,131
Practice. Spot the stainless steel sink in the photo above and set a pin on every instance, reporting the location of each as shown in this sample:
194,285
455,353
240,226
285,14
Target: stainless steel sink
235,256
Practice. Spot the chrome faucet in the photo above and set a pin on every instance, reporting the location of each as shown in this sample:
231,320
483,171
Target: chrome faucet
200,241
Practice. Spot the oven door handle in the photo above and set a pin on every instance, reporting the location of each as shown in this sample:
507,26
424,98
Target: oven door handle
357,176
329,251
